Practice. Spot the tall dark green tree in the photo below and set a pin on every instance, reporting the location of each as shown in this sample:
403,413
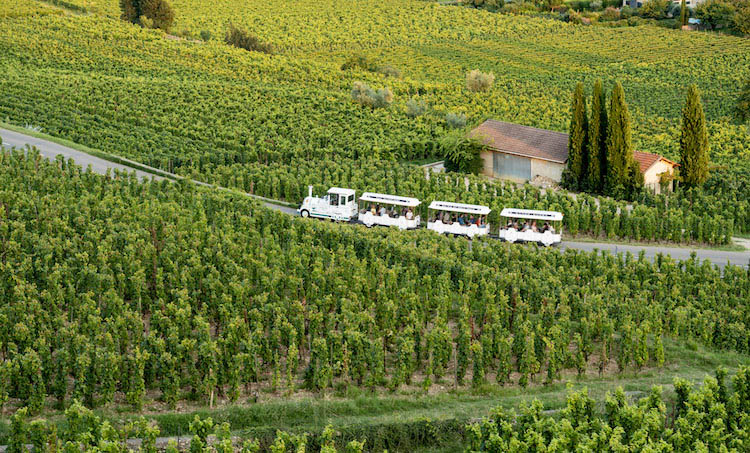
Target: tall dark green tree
619,144
684,13
575,174
597,139
694,141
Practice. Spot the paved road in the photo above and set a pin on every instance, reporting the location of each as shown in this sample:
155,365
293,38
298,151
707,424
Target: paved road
721,258
98,165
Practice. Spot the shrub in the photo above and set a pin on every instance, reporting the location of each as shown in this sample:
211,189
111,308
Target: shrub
626,12
455,120
461,153
363,94
610,14
655,9
358,62
416,107
205,35
148,13
244,40
477,80
389,71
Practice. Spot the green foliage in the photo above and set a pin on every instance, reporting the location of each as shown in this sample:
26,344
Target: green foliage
643,426
242,39
715,14
619,143
416,107
236,285
477,80
684,13
462,153
597,139
364,95
655,9
455,120
694,141
148,13
742,19
743,103
577,169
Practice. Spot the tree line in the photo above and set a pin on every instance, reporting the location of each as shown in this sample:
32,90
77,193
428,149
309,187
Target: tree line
600,149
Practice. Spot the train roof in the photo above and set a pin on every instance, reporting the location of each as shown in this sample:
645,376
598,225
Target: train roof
341,191
531,214
459,207
389,199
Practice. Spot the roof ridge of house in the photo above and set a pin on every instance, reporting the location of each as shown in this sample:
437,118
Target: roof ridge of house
524,125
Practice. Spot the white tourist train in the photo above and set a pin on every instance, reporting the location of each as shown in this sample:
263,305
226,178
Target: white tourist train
371,209
388,210
338,204
528,225
458,218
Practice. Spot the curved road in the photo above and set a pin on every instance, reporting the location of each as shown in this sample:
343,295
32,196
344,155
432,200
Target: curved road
50,150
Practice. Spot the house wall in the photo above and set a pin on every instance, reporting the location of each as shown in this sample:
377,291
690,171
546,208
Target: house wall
551,170
651,177
486,156
540,167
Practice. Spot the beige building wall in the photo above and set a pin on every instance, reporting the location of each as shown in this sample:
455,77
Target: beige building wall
651,177
551,170
540,167
486,156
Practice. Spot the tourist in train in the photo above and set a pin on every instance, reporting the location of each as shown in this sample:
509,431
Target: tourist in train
409,214
461,219
533,227
382,211
373,210
545,227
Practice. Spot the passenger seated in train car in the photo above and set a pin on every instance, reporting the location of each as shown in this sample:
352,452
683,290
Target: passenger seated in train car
382,211
409,215
461,219
482,221
373,210
545,227
524,226
533,227
472,220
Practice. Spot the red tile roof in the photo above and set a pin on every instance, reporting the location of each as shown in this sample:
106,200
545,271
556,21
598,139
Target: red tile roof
523,140
646,160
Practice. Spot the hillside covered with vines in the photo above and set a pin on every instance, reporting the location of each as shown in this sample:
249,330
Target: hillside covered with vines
116,291
272,124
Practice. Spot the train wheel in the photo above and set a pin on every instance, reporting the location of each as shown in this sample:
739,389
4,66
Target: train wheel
305,213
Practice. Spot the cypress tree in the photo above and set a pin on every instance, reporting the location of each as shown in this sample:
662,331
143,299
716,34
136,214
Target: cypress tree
694,141
597,139
619,145
684,15
577,141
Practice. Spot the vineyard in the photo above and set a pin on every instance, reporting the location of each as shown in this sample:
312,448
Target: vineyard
255,121
119,292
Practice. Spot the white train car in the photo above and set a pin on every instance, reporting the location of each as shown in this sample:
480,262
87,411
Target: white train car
534,226
457,218
388,210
